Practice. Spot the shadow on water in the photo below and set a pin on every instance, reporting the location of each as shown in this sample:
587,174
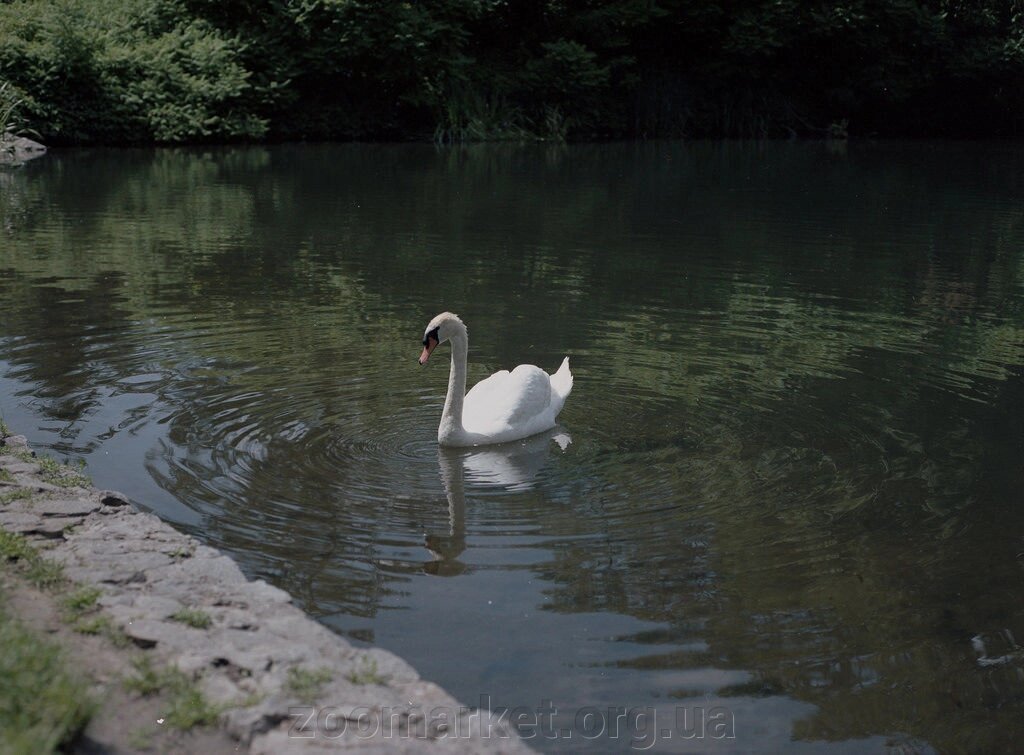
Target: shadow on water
797,451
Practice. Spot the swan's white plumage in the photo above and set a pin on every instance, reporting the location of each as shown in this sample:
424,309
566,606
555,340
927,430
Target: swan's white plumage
504,407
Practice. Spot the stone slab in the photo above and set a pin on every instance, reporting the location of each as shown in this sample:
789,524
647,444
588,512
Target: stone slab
77,507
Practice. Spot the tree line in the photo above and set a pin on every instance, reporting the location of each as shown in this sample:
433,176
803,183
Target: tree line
174,71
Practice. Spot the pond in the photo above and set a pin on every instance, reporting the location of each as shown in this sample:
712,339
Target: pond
783,506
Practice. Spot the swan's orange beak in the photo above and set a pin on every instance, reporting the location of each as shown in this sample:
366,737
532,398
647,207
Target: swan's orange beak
430,345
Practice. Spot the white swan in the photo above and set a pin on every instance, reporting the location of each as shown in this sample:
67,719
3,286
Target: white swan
503,407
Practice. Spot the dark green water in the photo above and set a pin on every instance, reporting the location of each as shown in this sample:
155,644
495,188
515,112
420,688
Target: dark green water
793,489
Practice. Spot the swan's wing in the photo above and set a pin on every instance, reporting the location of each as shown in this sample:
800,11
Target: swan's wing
487,391
507,399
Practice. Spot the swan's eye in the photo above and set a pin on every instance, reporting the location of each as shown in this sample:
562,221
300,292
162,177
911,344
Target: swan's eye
431,334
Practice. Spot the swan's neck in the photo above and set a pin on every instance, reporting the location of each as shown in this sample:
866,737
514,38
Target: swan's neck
451,417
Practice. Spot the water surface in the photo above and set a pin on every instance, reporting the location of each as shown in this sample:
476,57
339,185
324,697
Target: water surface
790,485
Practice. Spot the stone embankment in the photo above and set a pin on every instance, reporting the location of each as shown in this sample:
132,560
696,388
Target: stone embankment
281,681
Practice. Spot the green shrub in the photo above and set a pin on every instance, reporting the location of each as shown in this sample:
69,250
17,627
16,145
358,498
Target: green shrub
175,71
124,70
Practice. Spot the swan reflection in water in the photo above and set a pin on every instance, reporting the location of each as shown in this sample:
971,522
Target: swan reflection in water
510,466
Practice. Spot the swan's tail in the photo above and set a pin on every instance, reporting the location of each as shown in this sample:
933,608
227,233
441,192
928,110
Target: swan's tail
561,383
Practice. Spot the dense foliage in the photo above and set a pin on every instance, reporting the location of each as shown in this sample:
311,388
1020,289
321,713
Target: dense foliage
189,70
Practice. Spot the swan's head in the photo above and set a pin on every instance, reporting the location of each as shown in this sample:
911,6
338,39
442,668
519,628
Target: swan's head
440,329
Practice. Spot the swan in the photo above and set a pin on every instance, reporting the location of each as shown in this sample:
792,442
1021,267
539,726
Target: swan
504,407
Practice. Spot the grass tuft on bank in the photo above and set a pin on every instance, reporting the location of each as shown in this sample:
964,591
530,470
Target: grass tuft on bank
307,684
54,472
187,707
39,571
42,707
193,617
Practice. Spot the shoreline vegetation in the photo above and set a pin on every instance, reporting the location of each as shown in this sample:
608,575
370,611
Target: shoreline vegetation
188,71
71,679
120,634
